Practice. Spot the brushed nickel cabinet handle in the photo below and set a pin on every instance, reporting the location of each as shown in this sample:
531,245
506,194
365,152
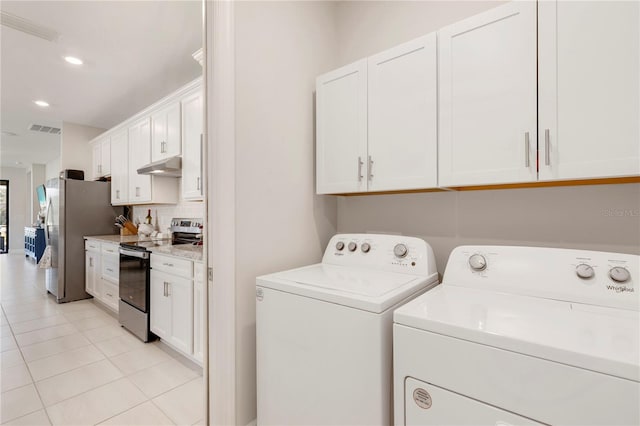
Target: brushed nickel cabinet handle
547,147
527,147
370,169
360,164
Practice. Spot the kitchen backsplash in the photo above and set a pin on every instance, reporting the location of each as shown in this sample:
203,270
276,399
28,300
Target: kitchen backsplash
163,213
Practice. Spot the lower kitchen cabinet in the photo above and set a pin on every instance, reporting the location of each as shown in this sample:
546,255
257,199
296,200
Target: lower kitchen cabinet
102,272
198,311
176,304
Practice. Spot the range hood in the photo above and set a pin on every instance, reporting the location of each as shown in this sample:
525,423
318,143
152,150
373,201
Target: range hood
169,167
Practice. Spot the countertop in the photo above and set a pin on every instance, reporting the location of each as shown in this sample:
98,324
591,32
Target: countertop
183,251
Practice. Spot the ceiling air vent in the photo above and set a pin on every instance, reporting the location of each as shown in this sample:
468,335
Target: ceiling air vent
44,129
28,27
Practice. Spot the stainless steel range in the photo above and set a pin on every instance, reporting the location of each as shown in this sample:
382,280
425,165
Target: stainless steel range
134,308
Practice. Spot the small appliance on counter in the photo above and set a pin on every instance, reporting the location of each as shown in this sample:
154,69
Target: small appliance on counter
135,275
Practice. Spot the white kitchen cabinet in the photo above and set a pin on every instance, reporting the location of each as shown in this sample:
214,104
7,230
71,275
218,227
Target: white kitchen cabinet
172,301
402,117
101,158
119,168
341,126
146,189
192,146
488,97
589,89
198,311
165,135
92,273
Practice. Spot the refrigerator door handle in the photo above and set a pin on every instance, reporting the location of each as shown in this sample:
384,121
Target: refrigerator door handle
46,223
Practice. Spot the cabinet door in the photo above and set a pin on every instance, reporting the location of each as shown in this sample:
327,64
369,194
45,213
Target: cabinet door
181,295
589,89
120,168
160,305
341,126
92,273
96,159
139,155
166,137
198,316
488,97
402,119
192,147
105,157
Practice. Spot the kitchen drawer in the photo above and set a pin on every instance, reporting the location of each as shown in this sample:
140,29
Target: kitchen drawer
110,249
110,294
92,245
172,265
111,268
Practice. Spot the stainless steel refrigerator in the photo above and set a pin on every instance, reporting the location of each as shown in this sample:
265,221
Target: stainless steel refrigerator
75,208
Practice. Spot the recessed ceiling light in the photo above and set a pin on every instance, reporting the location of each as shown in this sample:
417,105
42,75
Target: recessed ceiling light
41,103
73,60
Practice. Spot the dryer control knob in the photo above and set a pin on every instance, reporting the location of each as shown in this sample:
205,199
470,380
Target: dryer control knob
365,247
339,246
585,271
619,274
478,262
352,246
400,250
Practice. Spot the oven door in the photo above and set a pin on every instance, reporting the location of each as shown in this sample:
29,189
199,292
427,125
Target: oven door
134,278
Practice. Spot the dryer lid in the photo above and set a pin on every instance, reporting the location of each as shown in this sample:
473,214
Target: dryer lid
593,337
360,288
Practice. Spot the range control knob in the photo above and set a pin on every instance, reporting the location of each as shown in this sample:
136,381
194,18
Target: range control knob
619,274
478,262
400,250
585,271
339,246
352,246
365,247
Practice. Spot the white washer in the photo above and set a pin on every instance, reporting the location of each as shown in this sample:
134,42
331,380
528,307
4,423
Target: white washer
324,332
522,335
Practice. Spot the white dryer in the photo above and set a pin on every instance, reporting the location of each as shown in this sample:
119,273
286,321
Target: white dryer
324,332
522,335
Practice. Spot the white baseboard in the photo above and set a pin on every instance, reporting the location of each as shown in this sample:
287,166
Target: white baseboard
16,251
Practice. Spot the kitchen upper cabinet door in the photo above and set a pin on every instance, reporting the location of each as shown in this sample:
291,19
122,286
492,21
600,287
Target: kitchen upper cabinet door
589,89
139,155
105,157
180,292
192,147
488,97
120,168
402,119
341,126
166,136
96,155
160,305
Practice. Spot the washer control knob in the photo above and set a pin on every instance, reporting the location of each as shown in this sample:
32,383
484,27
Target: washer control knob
619,274
339,246
365,247
352,246
400,250
585,271
478,262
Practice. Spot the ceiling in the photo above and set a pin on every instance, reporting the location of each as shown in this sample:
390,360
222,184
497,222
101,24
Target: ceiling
134,53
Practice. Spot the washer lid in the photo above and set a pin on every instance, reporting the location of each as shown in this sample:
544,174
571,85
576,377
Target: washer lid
592,337
360,288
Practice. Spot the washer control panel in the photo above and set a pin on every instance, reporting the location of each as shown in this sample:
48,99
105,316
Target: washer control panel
385,252
598,278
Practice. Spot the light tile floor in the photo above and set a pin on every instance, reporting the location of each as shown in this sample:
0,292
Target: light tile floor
72,364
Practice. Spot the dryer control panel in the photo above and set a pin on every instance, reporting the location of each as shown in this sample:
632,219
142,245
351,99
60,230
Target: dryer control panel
393,253
592,277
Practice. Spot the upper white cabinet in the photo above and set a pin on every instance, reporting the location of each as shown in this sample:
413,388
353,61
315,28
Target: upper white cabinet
402,117
488,97
139,155
166,137
341,146
101,158
119,169
192,146
589,89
